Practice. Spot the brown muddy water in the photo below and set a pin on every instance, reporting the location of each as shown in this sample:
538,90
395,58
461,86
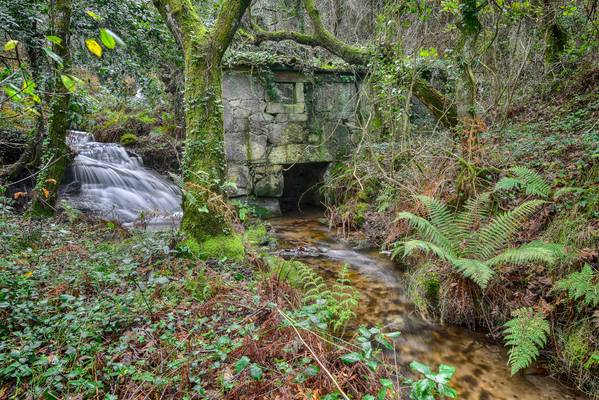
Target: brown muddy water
482,370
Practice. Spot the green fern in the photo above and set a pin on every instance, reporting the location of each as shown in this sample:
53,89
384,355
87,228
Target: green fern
468,244
526,179
344,300
334,305
525,334
581,285
313,284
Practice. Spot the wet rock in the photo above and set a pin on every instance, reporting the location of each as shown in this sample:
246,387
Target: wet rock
300,252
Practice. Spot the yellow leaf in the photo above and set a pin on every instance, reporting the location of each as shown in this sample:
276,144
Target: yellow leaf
28,274
11,44
94,47
46,192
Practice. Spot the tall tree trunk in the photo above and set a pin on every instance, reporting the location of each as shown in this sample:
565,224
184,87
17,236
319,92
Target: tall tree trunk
204,155
55,150
203,159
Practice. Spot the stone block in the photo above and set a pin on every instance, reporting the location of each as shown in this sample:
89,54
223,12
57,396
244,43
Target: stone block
268,180
241,86
299,92
240,176
236,146
281,108
257,147
298,153
285,133
291,118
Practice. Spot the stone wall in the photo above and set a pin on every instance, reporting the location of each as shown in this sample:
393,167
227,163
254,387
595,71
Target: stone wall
276,119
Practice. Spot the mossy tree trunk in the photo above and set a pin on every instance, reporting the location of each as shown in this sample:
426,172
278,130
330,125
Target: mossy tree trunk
55,152
204,156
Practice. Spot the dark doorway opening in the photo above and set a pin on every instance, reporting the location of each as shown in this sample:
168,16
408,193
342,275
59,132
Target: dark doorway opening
300,191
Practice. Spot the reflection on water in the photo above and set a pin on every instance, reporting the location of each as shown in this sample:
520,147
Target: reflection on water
482,371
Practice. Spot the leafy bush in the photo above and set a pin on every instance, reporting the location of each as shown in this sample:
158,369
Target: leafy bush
526,333
469,243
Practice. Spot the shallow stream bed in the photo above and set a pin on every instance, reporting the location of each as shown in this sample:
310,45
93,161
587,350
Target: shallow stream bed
482,370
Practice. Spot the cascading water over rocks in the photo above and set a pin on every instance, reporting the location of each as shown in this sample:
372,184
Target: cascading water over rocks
105,180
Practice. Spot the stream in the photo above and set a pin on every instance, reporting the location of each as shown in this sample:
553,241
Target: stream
110,182
482,370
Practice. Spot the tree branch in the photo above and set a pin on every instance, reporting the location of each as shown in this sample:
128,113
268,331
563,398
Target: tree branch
441,107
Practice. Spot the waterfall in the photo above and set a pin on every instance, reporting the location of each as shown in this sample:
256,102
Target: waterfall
107,181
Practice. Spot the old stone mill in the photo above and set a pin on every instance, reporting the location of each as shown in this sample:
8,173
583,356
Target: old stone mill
283,128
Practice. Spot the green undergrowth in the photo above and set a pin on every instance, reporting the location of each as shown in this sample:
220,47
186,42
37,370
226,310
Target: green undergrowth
91,310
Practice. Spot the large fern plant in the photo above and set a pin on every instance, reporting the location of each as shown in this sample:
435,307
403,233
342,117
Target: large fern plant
472,240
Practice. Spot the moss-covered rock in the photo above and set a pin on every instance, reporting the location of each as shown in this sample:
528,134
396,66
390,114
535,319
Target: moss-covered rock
224,246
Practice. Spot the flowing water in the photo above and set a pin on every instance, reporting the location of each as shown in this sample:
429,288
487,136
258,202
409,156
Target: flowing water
107,181
482,371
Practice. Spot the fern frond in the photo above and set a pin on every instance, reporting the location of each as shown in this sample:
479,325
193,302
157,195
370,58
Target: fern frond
475,211
475,270
508,183
426,230
525,334
442,218
581,285
531,182
427,247
545,253
498,232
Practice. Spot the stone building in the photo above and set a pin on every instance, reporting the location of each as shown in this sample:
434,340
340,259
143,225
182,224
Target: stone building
283,128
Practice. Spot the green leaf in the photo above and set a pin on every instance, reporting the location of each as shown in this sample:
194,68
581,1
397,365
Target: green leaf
53,55
368,397
94,47
388,383
312,370
241,364
256,371
419,367
351,358
93,15
445,373
10,45
68,83
107,39
54,39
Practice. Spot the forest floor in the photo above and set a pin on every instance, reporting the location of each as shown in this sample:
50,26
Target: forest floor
91,310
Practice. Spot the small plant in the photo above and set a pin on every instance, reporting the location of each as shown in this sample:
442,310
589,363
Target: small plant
326,307
525,179
434,385
370,340
526,334
474,248
128,139
581,285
